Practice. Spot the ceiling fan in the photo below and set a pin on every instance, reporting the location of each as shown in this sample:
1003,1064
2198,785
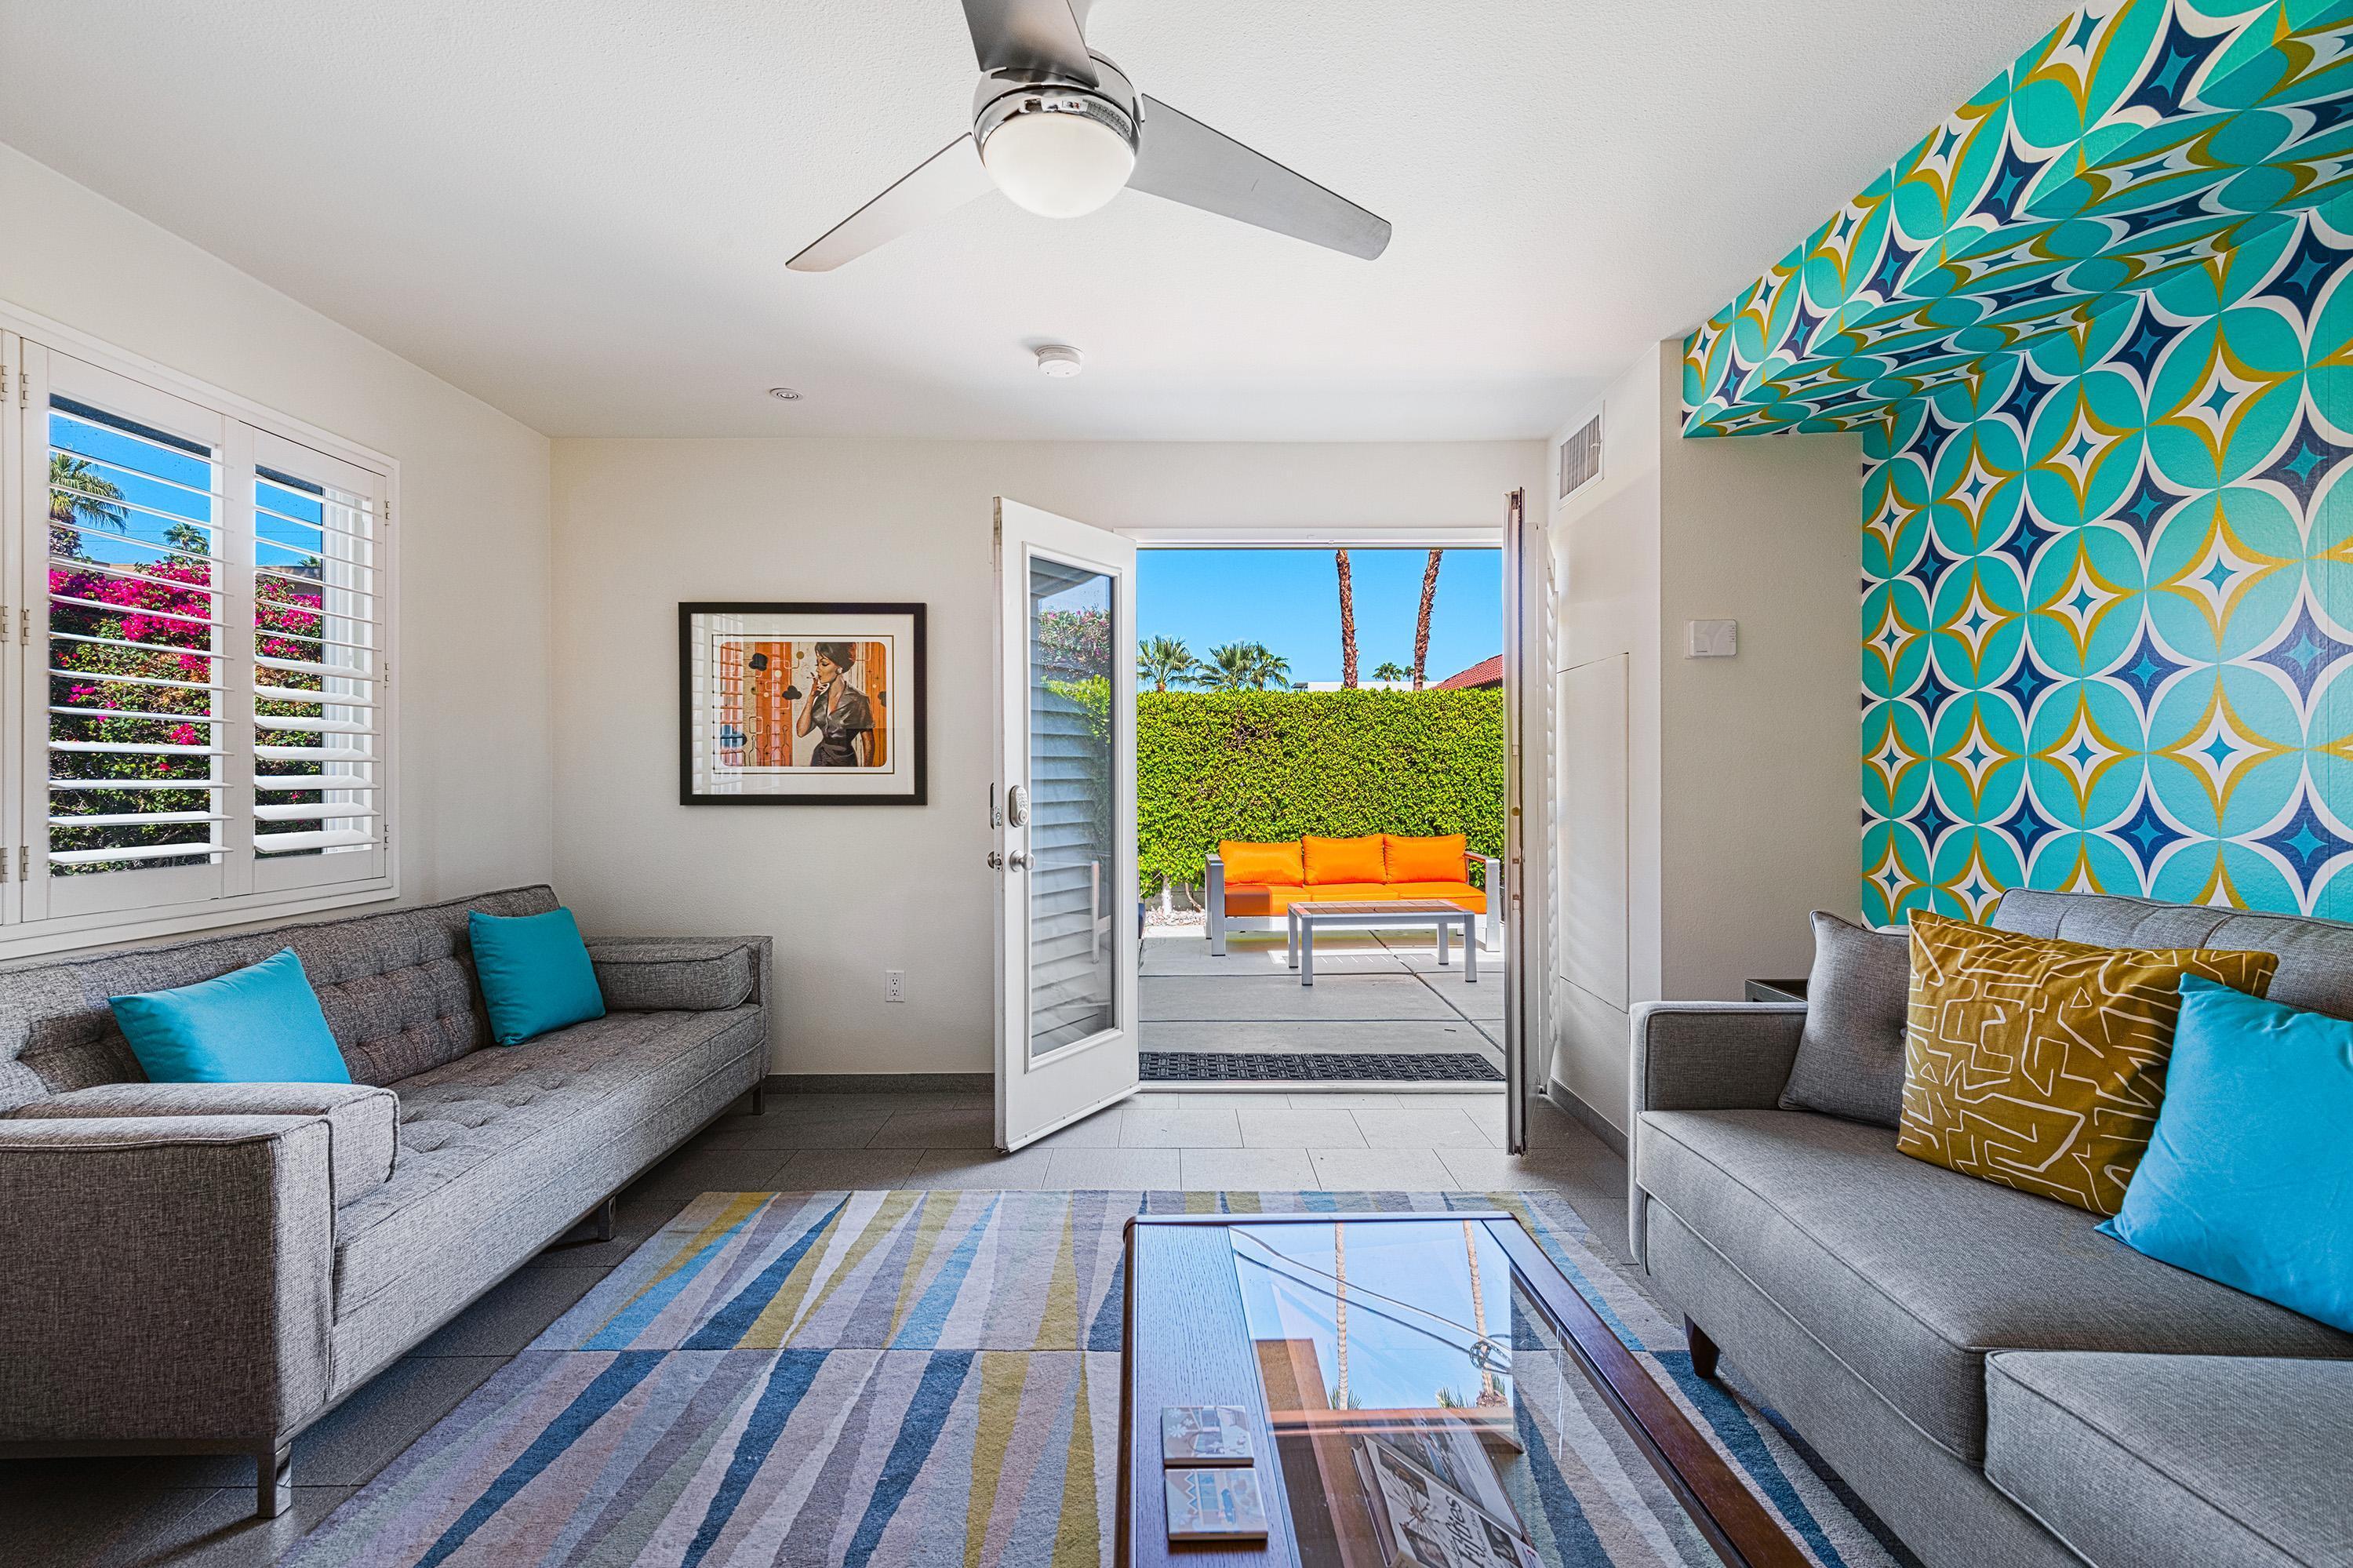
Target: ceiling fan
1060,131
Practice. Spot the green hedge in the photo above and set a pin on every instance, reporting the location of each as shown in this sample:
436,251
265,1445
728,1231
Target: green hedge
1273,766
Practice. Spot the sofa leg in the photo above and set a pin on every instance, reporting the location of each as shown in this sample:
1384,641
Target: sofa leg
601,1223
1703,1350
760,1098
273,1465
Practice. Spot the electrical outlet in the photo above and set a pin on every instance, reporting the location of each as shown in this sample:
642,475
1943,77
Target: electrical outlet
894,985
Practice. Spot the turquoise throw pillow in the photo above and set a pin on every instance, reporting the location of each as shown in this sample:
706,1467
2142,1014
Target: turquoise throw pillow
260,1024
534,971
2248,1178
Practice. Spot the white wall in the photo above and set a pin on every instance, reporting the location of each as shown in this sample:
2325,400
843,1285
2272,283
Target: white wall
472,675
1738,774
1758,754
850,891
1605,555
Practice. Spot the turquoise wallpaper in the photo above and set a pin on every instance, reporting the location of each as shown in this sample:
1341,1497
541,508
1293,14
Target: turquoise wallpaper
2108,584
2096,334
2137,144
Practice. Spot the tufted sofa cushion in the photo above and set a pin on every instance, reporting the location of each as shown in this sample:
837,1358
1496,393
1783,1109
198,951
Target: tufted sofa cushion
397,988
480,1134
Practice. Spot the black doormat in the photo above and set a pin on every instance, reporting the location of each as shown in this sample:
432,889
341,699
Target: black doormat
1318,1068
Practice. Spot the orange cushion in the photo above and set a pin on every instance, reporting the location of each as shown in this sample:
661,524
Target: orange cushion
1455,892
1344,860
1275,900
1260,866
1436,859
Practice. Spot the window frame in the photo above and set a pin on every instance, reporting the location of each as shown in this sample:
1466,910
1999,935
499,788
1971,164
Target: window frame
24,931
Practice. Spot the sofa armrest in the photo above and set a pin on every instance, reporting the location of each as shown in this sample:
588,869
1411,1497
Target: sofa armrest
683,974
1213,901
1702,1055
362,1121
168,1278
1713,1056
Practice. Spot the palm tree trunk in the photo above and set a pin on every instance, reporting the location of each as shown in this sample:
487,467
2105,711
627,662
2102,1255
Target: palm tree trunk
1421,622
1347,624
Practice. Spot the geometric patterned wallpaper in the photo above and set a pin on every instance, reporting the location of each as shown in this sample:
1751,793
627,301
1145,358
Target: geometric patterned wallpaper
2107,611
2105,380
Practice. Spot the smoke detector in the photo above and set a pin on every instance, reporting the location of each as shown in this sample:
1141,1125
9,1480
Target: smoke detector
1059,360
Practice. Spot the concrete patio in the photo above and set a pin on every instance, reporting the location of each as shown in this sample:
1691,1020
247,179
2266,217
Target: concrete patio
1375,993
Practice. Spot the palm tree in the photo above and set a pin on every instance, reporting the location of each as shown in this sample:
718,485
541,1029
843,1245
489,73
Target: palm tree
1268,668
1422,623
80,494
1163,660
1239,666
1347,623
1390,669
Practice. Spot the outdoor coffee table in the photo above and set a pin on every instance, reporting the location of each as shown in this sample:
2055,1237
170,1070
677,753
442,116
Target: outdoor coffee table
1384,915
1418,1386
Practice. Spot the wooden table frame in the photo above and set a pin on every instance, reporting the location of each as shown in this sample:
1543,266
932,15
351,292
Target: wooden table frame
1300,919
1186,1354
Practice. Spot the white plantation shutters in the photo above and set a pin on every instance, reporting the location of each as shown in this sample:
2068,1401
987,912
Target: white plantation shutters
317,638
197,664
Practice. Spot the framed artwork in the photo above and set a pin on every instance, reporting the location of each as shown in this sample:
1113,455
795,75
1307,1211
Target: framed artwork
800,705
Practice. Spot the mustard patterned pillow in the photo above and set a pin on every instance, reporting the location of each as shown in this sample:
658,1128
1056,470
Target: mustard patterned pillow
2040,1064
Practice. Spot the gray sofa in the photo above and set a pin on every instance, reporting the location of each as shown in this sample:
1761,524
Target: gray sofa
2000,1384
211,1267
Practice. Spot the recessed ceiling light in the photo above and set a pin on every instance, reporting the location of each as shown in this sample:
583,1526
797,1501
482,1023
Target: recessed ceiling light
784,394
1059,360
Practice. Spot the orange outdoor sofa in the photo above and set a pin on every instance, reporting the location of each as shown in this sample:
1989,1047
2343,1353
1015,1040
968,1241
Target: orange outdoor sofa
1250,884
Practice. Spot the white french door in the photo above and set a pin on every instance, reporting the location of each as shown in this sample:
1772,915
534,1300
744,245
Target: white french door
1063,809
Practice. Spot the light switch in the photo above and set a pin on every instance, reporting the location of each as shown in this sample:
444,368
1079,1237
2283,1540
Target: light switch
1711,640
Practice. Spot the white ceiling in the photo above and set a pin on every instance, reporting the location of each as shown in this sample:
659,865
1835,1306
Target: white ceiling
579,210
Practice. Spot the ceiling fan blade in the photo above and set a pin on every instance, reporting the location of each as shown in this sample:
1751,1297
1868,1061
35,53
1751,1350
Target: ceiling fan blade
1031,35
1179,158
940,184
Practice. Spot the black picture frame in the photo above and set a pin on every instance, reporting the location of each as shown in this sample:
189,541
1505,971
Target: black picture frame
915,699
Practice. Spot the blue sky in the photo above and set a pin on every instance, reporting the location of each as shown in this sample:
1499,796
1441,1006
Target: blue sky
1290,600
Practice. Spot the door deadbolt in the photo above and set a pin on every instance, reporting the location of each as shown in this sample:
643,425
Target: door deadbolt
1016,806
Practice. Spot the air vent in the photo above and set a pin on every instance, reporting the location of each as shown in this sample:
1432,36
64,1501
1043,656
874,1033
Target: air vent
1581,458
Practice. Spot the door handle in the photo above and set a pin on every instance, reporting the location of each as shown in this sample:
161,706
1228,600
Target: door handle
1018,861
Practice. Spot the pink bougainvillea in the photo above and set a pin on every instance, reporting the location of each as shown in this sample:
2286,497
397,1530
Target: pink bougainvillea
164,608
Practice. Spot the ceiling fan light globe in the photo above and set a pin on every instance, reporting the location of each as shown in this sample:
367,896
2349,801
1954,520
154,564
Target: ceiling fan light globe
1057,164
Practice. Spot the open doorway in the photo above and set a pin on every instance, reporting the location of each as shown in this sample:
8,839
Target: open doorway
1321,754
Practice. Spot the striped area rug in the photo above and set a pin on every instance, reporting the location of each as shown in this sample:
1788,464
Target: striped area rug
933,1379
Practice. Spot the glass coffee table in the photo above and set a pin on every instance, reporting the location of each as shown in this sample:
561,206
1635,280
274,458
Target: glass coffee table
1424,1391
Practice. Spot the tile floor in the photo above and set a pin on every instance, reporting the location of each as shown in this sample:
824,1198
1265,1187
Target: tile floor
196,1512
1374,994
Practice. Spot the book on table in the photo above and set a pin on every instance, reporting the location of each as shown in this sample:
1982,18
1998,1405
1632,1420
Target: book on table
1205,1434
1216,1505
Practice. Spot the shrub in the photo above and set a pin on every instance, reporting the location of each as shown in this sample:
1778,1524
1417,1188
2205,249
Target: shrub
1274,766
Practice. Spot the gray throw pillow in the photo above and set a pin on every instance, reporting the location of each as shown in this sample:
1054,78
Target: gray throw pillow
1851,1055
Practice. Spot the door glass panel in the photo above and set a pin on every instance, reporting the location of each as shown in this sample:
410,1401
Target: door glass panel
1072,775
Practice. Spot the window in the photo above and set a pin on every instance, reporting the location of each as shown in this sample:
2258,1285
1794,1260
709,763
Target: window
200,664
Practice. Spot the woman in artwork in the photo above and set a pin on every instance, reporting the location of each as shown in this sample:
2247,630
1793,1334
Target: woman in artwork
837,712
